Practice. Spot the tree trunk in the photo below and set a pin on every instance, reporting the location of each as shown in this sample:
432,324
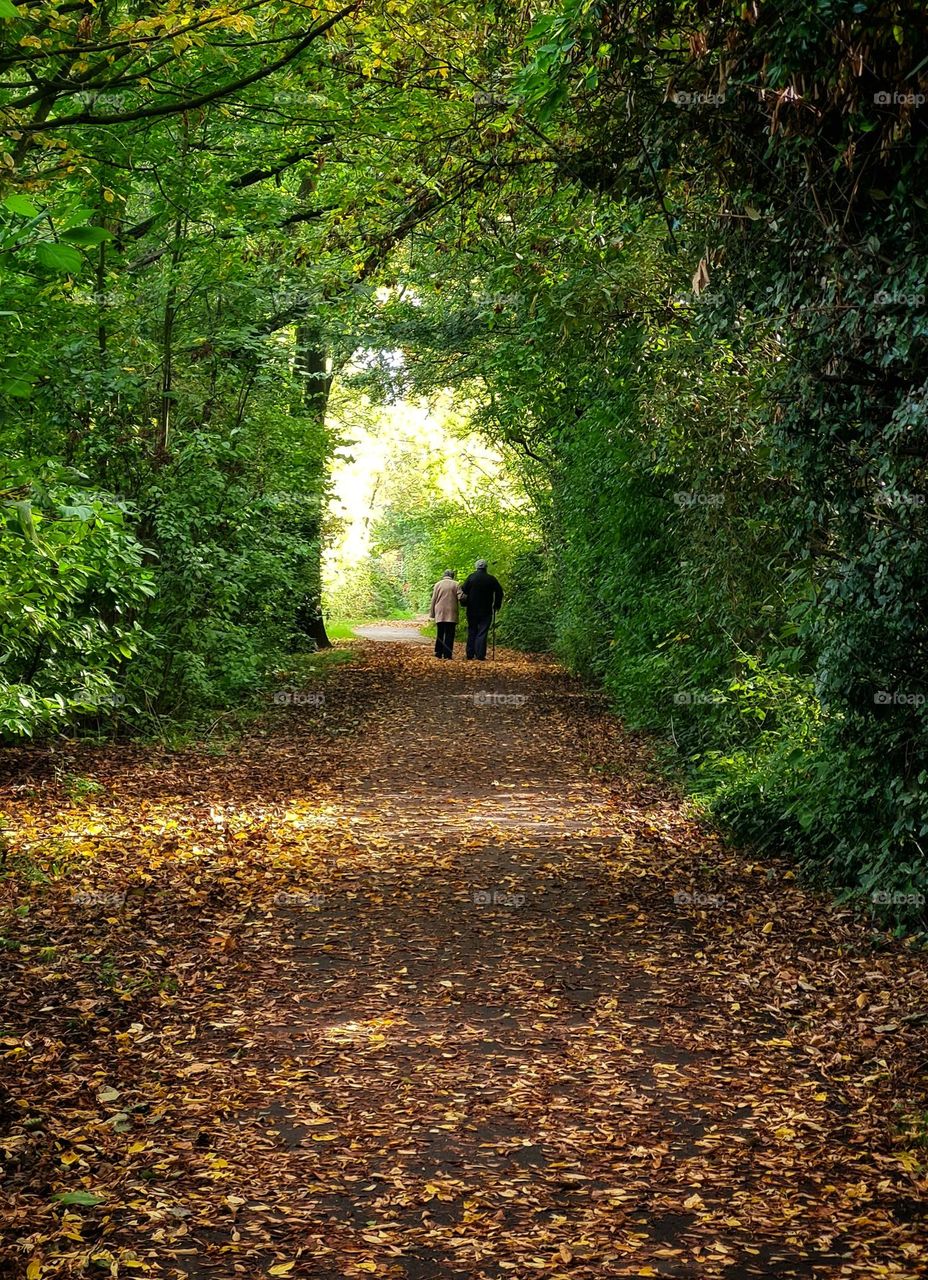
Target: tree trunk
314,382
163,430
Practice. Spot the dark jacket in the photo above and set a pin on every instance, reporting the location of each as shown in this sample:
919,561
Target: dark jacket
482,594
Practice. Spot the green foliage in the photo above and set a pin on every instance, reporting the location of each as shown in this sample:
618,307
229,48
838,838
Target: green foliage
704,343
412,549
373,588
793,610
72,583
673,259
193,218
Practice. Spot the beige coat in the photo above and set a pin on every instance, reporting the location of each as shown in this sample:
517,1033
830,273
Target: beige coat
445,598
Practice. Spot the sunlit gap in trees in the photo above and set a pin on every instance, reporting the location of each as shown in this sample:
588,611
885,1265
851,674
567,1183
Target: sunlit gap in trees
403,471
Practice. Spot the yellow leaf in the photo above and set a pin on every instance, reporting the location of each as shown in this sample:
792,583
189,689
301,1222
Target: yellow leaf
34,1269
768,927
367,1266
862,1000
281,1269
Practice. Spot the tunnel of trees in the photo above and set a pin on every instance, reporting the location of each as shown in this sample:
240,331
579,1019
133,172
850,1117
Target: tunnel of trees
673,257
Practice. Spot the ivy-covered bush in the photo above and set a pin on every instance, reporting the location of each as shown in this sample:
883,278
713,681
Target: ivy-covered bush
72,586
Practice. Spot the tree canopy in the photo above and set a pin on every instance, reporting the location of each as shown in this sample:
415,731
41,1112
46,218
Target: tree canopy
671,254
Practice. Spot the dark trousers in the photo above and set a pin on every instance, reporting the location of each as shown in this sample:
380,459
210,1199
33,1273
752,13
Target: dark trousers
477,631
444,641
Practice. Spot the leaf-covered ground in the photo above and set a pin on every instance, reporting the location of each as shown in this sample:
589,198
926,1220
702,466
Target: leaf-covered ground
404,986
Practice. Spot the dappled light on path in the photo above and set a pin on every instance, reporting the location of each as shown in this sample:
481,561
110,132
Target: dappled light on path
433,980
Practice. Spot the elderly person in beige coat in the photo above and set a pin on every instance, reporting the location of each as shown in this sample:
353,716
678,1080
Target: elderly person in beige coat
446,597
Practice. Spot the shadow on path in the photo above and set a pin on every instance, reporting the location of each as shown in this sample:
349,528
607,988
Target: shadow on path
465,1010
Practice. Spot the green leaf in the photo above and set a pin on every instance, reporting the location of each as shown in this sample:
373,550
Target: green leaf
59,257
19,385
78,1197
8,10
87,235
17,203
23,510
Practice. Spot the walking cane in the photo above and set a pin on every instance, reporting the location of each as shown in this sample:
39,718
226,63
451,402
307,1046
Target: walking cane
494,634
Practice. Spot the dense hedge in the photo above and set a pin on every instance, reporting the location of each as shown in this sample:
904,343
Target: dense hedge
705,347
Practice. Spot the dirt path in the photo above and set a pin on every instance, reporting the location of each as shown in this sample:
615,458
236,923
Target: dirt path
405,987
401,632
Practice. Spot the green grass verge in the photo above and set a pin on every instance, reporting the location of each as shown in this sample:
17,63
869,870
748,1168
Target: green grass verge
343,628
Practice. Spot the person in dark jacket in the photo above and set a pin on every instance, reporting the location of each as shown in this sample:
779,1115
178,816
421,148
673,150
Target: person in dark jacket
483,596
